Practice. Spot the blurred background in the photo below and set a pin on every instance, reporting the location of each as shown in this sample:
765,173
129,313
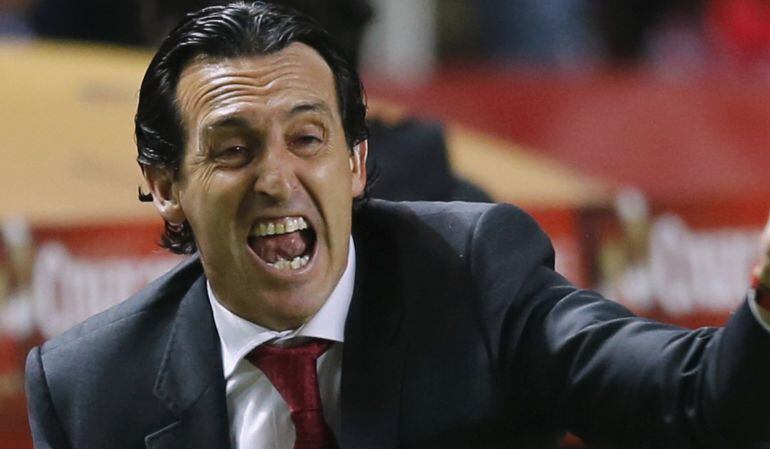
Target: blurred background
636,132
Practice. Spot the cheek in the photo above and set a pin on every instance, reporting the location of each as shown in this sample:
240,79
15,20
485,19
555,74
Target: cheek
333,180
327,183
211,196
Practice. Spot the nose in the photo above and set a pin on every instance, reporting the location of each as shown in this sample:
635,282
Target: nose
275,177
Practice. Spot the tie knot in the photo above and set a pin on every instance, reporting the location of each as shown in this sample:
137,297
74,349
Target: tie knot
311,348
292,371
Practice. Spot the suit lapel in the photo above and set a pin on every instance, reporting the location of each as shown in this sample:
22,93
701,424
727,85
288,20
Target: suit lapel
374,345
190,380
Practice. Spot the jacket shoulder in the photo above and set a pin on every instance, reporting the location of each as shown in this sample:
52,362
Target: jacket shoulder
459,224
106,368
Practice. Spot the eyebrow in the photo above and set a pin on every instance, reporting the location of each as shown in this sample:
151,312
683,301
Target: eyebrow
237,121
316,106
232,121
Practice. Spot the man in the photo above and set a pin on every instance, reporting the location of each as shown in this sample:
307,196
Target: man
443,325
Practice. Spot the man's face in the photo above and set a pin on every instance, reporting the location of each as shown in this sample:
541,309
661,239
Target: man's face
266,182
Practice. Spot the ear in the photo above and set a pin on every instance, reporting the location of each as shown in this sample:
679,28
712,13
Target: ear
165,193
358,167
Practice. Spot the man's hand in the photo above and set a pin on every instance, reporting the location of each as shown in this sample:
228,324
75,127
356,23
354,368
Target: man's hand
761,274
762,270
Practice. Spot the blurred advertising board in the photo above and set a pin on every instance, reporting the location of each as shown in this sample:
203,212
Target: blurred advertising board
52,277
682,262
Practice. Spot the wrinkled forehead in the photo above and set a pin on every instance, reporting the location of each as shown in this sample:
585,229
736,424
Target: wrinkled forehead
210,88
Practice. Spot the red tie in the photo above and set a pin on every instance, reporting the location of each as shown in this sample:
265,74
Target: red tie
292,371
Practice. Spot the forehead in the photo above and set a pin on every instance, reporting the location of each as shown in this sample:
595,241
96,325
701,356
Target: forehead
210,89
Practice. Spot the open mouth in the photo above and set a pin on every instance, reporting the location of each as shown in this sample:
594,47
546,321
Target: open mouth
284,244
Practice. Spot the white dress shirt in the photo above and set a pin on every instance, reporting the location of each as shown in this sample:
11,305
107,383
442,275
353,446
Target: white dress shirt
259,417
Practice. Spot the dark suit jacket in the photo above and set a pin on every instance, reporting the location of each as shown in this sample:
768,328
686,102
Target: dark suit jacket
459,335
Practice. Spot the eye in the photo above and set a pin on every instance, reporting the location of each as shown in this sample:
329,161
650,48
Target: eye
233,156
307,140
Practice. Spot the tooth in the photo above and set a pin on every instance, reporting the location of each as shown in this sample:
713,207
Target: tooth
262,230
304,260
301,223
291,225
295,264
270,229
280,228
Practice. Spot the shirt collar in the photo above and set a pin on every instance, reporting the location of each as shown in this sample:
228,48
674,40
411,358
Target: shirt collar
239,336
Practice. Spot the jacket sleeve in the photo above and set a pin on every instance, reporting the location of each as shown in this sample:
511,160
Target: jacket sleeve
46,429
590,366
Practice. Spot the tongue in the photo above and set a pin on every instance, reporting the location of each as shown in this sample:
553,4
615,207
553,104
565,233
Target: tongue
273,248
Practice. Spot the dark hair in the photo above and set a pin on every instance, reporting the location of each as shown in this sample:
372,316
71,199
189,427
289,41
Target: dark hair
234,30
